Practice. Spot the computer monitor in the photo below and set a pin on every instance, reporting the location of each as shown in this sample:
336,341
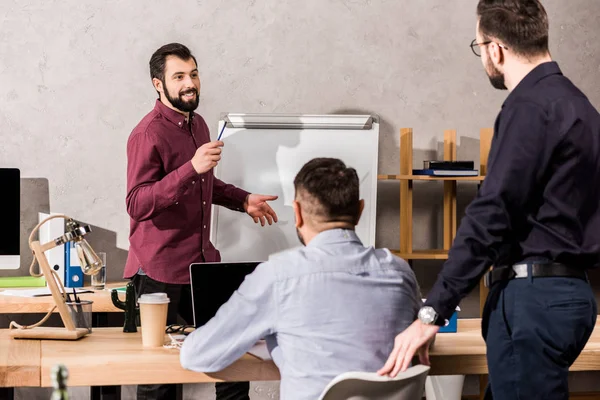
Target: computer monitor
10,216
213,284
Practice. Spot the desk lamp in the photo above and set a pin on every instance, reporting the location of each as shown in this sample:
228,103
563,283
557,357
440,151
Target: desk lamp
90,264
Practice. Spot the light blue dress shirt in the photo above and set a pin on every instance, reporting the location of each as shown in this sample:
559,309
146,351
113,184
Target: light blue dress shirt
330,307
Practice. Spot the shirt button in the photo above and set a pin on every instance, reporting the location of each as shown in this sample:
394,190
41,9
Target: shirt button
176,202
203,203
193,182
180,124
204,226
202,179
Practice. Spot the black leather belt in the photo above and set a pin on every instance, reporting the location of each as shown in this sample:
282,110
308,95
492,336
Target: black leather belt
539,270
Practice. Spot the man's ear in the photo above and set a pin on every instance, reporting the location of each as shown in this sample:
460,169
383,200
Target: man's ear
298,214
158,85
496,53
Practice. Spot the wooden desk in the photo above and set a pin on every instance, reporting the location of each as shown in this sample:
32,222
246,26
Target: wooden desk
94,359
464,352
461,353
19,361
27,305
110,357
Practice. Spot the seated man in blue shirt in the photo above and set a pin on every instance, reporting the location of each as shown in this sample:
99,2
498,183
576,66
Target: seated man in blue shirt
327,308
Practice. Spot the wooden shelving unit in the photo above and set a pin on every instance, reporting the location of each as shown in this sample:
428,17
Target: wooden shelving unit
406,179
429,178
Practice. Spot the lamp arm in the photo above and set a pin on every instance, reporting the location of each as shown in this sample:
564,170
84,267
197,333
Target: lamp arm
37,227
14,324
46,246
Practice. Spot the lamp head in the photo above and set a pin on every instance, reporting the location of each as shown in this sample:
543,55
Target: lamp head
88,259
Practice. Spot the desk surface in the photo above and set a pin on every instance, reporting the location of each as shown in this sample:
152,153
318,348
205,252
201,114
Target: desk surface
19,361
464,352
110,357
461,353
43,304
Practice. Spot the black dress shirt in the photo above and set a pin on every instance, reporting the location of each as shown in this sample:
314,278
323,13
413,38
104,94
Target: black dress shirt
541,196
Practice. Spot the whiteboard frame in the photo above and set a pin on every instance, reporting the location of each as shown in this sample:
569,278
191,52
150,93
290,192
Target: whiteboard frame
309,121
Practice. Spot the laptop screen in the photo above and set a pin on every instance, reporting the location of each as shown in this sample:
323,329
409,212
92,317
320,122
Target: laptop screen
213,284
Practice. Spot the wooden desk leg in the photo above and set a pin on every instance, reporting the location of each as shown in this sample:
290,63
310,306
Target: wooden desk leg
7,393
100,320
483,381
105,393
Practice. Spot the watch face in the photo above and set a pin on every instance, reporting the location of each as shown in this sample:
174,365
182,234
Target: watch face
427,315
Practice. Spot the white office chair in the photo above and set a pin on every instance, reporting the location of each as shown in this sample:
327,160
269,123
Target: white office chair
444,387
407,385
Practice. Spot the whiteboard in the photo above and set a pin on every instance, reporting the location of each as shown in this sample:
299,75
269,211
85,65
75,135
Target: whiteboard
262,154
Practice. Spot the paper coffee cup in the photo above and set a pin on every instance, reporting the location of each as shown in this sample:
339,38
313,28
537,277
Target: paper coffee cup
153,315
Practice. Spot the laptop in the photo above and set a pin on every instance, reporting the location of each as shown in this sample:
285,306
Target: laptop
212,284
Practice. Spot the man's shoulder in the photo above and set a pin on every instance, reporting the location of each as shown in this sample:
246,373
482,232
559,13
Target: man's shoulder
547,95
149,126
287,255
288,262
386,257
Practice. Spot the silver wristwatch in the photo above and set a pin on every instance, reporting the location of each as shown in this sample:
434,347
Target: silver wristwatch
428,316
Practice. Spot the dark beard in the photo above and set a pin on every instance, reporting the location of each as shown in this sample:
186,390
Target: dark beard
179,103
496,77
300,238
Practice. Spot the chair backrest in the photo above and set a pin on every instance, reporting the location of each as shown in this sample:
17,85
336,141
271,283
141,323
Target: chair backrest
407,385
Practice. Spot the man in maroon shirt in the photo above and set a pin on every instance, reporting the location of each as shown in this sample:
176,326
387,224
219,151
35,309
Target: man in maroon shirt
170,191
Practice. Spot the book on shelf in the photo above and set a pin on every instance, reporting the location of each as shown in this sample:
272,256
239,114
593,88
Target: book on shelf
446,172
448,165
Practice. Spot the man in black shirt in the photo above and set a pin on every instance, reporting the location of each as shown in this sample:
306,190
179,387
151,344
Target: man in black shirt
536,218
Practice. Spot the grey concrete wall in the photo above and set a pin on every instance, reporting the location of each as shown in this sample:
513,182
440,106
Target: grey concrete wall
74,82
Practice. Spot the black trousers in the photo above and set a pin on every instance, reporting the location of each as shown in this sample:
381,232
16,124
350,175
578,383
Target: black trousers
180,305
534,329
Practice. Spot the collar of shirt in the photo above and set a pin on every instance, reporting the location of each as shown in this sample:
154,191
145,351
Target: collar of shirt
172,115
529,81
331,236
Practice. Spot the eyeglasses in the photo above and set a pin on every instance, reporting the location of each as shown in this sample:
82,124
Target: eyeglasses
181,329
476,47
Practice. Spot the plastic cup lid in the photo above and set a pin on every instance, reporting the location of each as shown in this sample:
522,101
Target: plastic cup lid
153,298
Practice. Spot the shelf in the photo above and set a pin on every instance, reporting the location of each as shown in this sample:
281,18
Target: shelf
429,178
432,254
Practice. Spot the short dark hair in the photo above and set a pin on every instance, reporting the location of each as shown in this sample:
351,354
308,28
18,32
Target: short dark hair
158,60
521,25
330,190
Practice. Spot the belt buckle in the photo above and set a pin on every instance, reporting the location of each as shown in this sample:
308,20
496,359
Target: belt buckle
486,279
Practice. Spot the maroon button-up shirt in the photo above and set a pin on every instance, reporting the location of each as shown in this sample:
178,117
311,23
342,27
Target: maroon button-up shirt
167,201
